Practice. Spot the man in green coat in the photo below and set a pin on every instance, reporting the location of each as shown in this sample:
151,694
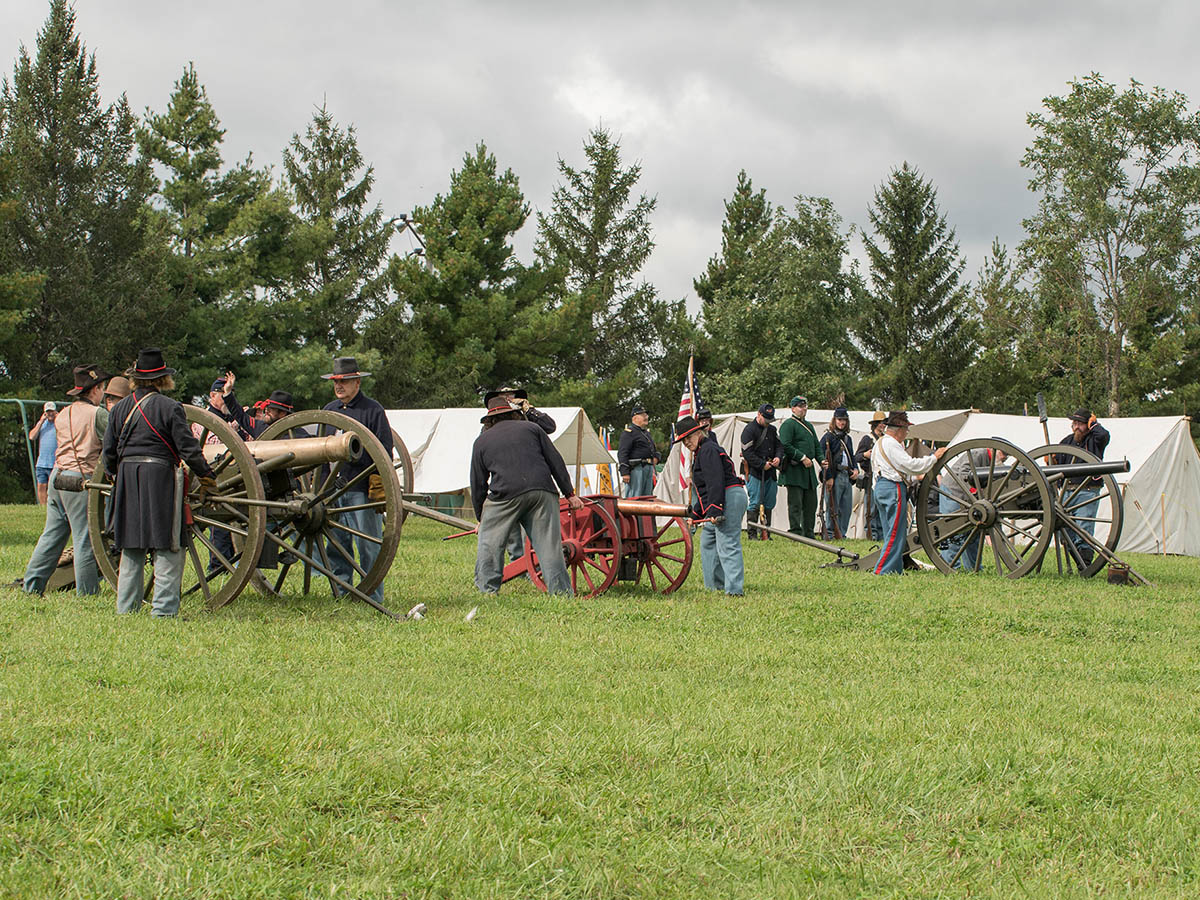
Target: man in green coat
800,446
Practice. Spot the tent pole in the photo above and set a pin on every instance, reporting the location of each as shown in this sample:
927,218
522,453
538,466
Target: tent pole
1163,506
578,448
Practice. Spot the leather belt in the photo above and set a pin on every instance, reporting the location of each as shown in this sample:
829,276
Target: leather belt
154,460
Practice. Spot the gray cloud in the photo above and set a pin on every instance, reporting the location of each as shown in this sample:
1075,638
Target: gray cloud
809,98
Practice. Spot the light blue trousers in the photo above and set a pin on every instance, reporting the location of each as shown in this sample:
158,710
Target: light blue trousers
843,502
721,546
66,519
168,581
891,497
536,512
369,523
761,491
641,481
970,556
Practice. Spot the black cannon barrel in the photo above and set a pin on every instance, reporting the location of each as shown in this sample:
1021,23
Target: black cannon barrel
1068,470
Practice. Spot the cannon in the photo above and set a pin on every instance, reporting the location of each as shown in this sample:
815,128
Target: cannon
279,499
614,539
1018,508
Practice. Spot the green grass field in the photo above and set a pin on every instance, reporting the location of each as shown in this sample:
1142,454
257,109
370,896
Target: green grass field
830,734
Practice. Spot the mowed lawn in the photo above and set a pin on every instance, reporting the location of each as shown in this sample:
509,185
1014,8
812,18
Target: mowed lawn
830,734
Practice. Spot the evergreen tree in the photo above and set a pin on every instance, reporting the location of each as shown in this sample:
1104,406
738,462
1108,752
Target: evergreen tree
748,218
915,331
777,326
600,237
341,278
76,194
211,271
1007,373
468,315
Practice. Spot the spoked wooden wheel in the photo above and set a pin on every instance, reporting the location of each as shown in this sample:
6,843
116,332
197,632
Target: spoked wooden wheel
1007,504
666,558
1107,518
591,549
403,464
237,510
321,524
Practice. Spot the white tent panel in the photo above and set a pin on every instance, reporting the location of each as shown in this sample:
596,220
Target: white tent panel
440,442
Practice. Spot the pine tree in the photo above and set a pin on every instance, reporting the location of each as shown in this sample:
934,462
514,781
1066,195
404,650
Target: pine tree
468,315
342,277
748,217
600,236
211,271
77,196
915,331
776,327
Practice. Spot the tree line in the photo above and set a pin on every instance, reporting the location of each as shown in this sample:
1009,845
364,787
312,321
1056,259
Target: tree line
119,230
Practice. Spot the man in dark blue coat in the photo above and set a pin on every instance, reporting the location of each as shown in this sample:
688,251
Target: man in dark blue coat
515,471
366,494
1082,495
762,453
147,438
637,455
720,496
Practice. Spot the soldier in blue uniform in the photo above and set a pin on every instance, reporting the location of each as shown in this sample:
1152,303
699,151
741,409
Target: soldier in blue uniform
352,402
637,455
147,438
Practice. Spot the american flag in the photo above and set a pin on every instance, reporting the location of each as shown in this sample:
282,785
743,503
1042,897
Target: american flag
689,405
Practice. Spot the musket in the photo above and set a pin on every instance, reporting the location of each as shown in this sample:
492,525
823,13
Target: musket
831,512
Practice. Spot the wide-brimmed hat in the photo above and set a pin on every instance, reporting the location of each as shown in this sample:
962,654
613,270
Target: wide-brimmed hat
684,427
897,418
87,377
150,365
878,416
118,386
345,368
498,408
279,400
1083,414
492,395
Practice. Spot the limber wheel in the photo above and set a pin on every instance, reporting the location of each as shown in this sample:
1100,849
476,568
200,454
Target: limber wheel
1109,513
665,558
1008,505
591,544
316,528
237,508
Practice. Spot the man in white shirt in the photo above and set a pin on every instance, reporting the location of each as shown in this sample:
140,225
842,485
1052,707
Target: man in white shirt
895,474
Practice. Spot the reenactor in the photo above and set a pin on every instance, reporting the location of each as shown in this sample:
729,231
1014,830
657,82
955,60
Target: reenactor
801,449
637,455
518,399
367,515
148,441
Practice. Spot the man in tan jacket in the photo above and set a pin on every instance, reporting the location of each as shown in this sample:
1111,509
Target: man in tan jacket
80,428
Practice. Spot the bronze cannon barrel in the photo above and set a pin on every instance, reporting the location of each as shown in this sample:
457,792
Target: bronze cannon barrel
651,508
309,451
1069,470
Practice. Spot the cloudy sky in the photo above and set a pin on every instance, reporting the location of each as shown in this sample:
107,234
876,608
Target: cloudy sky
809,98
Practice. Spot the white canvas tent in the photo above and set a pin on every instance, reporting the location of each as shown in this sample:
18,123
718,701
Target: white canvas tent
1161,490
928,425
440,442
